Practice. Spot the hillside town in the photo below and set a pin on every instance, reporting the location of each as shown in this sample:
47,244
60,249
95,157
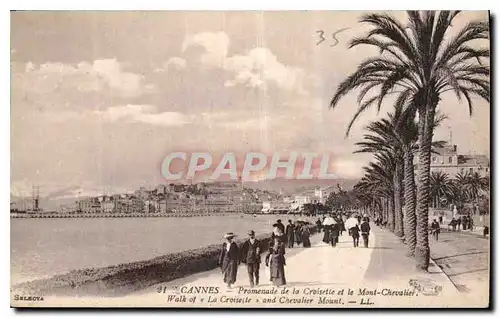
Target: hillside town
233,197
199,198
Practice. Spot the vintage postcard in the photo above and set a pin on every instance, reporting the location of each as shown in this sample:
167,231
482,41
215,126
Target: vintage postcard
284,159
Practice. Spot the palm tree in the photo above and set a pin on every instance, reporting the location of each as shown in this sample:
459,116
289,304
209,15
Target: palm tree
476,185
376,186
379,176
470,186
459,196
419,65
441,187
383,140
398,135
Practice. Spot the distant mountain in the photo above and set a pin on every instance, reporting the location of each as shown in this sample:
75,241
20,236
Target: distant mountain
297,186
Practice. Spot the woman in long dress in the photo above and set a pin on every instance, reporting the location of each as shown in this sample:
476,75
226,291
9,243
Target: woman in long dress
326,230
298,233
229,259
306,234
276,261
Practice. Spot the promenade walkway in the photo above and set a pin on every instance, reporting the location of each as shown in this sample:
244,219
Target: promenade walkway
382,267
319,265
378,276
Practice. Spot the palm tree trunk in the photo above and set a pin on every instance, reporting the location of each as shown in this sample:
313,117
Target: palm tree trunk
425,127
410,196
390,210
398,211
385,209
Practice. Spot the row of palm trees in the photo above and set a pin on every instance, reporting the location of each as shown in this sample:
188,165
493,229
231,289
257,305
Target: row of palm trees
419,61
463,188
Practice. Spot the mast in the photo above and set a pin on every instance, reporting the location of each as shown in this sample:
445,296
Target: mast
33,197
37,199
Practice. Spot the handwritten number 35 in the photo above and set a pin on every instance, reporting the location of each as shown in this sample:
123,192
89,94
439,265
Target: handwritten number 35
322,38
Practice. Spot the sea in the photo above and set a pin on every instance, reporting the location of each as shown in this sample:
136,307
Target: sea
42,248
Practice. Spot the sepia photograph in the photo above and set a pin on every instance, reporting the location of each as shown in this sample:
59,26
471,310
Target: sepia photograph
250,159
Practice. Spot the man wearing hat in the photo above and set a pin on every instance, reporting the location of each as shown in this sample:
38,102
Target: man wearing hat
277,232
229,259
250,255
281,226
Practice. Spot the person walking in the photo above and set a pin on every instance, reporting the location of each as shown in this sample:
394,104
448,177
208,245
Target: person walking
250,255
306,234
229,259
326,233
453,224
486,231
275,260
341,224
318,225
298,233
435,229
365,231
334,234
459,222
354,233
290,234
471,223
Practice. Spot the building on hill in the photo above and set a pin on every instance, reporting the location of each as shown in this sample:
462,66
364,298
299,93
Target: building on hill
269,207
88,205
323,193
447,159
304,198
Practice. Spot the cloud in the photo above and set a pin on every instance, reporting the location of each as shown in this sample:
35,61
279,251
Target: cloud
146,114
258,68
215,47
129,84
174,62
83,77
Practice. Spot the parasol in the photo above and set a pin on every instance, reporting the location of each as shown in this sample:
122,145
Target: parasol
329,221
351,222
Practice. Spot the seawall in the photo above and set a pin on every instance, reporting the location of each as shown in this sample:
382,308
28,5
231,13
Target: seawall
130,277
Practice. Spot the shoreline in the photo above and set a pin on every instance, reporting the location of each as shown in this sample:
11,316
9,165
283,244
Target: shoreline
130,277
132,215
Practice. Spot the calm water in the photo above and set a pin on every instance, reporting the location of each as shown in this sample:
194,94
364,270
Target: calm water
45,247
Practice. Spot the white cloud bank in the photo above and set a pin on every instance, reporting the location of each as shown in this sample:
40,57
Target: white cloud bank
258,68
86,77
146,114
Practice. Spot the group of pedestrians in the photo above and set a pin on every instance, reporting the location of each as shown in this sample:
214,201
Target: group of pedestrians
363,228
297,232
333,226
250,253
465,222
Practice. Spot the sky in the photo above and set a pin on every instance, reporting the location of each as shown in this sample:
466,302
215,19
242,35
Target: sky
98,99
